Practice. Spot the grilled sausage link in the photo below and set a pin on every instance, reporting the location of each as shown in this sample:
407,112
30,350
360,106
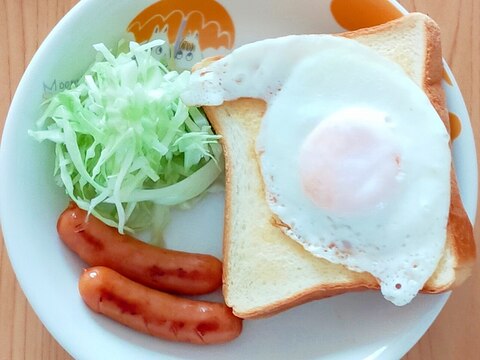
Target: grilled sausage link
156,313
173,271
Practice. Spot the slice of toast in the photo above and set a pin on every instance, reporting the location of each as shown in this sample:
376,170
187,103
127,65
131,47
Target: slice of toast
264,270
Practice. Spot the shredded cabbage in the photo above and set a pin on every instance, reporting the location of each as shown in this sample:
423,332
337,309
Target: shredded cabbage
127,148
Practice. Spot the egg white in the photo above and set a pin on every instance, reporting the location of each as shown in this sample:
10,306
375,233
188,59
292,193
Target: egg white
401,240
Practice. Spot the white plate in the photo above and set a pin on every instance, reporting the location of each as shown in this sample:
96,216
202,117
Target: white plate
361,325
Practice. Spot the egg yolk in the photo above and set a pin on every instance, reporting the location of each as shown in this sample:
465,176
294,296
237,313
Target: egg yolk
350,162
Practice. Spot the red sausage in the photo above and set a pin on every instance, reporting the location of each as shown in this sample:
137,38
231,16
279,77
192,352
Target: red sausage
162,269
156,313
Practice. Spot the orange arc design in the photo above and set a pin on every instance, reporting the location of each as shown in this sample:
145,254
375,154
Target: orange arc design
455,126
447,78
206,17
358,14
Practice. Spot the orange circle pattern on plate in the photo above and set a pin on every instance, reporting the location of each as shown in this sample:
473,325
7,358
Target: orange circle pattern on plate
358,14
455,126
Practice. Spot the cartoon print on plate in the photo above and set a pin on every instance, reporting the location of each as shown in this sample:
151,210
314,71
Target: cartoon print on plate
189,28
188,52
162,52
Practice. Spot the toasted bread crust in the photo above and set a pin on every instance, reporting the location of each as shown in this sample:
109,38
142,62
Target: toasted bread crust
460,249
322,292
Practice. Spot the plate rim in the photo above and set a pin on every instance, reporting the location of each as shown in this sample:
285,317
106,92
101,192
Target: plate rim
409,339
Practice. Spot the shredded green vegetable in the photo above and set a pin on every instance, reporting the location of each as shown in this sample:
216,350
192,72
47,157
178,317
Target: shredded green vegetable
126,146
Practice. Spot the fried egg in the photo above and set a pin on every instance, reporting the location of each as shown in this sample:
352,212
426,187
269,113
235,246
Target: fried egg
354,158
